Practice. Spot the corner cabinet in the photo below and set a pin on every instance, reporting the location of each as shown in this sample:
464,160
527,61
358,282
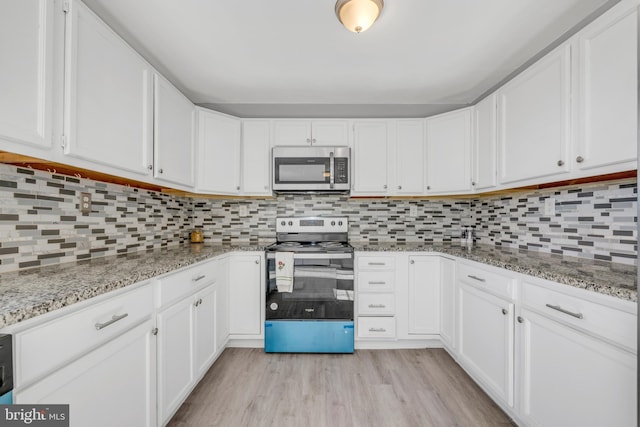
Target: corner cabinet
174,122
449,152
117,131
218,153
608,91
26,46
534,121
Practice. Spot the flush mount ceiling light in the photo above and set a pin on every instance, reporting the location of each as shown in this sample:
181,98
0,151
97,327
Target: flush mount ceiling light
358,15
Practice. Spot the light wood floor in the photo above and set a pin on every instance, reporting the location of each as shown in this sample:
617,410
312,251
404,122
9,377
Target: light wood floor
247,387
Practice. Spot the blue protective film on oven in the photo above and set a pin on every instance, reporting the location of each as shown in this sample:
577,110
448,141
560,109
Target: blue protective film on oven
7,398
308,336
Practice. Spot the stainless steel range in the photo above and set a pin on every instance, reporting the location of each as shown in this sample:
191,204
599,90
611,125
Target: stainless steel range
309,301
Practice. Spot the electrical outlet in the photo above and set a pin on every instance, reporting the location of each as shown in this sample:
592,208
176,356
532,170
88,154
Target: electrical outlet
550,206
243,211
85,203
413,211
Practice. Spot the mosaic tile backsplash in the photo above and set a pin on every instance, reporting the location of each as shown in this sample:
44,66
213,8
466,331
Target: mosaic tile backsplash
40,222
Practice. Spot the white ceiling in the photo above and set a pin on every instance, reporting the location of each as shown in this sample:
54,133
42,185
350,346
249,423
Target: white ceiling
420,52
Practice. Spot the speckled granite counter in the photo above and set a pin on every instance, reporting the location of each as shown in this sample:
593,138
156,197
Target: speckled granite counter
29,293
617,280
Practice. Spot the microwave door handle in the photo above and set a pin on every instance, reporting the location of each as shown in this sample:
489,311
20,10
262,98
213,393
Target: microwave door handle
331,170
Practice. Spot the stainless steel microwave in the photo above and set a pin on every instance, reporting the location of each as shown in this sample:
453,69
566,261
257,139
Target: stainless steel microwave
311,169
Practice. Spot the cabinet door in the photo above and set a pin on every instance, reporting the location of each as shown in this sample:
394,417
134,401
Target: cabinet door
245,295
222,312
449,152
113,385
608,90
330,132
448,301
424,295
108,99
484,144
534,120
173,134
26,43
486,339
571,379
175,356
291,132
410,157
205,328
218,153
370,158
256,158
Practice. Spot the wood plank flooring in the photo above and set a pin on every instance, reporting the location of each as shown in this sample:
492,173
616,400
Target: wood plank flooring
247,387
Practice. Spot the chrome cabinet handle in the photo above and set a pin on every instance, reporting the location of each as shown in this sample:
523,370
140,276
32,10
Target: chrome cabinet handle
113,320
150,167
413,261
377,330
198,302
313,140
257,262
197,279
384,186
377,283
399,187
428,187
520,319
161,171
154,331
562,310
579,159
479,279
377,306
473,183
377,263
560,162
309,140
238,188
504,311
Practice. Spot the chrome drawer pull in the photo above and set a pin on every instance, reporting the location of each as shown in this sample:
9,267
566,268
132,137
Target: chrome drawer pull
377,263
196,279
479,279
377,283
377,306
377,330
113,320
562,310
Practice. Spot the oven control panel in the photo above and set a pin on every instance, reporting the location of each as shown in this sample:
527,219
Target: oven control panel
318,224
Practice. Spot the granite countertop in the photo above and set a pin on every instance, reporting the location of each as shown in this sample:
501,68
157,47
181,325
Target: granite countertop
29,293
617,280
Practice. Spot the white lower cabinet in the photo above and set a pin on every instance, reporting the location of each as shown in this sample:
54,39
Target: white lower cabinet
571,379
246,295
188,331
424,294
486,339
113,385
448,302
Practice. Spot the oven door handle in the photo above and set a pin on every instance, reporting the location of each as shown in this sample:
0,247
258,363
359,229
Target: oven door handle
324,255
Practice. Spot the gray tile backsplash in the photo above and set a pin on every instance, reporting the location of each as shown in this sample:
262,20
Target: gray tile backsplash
40,222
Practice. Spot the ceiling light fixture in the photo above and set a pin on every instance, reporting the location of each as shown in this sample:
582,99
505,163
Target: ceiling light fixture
358,15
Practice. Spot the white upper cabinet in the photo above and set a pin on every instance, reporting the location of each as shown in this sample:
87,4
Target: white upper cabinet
256,158
173,134
449,152
315,132
26,44
484,168
370,158
608,91
108,96
218,152
534,116
409,157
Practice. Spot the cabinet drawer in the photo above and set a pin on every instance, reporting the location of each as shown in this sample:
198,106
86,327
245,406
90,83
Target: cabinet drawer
179,285
55,343
607,322
376,304
376,327
376,262
382,281
501,285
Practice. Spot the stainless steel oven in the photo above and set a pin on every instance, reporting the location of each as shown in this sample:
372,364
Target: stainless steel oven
311,169
309,303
